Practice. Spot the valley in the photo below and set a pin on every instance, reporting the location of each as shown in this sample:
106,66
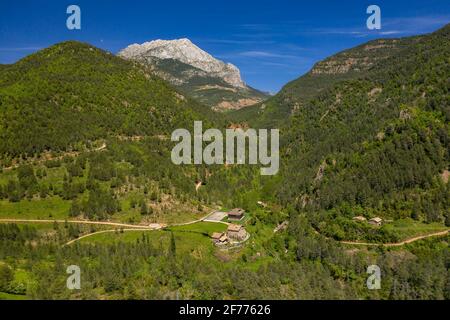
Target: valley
87,179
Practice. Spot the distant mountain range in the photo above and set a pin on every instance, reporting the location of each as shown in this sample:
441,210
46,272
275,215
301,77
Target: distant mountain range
194,71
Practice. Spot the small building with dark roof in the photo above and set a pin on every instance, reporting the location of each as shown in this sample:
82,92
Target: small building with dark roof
236,214
376,221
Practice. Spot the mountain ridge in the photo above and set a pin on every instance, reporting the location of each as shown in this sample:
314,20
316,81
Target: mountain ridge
196,72
348,64
375,144
72,92
187,52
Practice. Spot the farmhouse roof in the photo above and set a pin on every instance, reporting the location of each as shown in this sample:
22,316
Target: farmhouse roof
234,227
236,212
216,235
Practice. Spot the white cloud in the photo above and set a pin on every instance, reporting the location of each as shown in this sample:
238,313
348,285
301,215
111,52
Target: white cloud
389,26
20,48
390,32
264,54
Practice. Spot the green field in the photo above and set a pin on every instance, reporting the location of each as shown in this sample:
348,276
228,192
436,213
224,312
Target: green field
192,238
51,207
201,227
186,242
9,296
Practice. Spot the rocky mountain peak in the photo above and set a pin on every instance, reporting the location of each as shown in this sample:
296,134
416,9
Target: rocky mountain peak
186,52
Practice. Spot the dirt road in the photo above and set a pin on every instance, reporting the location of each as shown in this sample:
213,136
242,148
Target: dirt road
124,226
401,243
105,223
98,232
157,226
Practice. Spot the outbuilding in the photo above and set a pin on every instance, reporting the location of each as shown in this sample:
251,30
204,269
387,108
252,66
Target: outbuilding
236,214
219,238
236,232
376,221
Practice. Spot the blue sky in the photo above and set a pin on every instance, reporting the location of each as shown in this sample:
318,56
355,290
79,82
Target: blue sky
272,42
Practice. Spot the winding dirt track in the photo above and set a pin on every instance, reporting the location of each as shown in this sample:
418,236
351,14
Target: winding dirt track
401,243
129,227
105,223
156,226
98,232
125,226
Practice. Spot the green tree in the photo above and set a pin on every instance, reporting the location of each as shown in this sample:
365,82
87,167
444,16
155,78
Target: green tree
173,246
6,276
144,209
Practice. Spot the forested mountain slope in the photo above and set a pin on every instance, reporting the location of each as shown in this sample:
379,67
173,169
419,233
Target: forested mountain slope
376,145
73,92
354,63
369,142
87,134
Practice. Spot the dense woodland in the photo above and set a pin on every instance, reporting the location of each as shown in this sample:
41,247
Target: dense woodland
377,145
